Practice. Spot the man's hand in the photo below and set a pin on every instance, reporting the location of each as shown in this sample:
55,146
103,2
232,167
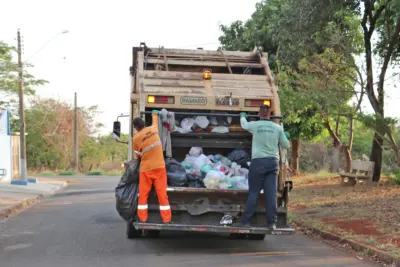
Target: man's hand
243,114
287,135
155,112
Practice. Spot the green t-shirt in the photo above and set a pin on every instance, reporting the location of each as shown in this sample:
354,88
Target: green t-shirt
267,137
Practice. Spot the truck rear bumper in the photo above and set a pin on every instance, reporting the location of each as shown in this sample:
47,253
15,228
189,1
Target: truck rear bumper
213,228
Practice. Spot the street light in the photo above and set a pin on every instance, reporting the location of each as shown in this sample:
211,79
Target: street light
23,164
46,43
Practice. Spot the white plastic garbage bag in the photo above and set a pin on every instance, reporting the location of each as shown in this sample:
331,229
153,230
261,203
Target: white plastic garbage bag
220,129
200,161
235,168
187,123
201,121
182,130
195,151
244,172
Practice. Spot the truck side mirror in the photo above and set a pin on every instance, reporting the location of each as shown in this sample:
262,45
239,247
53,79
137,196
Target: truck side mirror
117,130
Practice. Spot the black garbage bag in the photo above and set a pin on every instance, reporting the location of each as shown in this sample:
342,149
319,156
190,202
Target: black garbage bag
126,192
176,173
240,156
195,180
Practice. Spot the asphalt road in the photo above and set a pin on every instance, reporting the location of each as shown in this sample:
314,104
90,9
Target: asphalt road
80,227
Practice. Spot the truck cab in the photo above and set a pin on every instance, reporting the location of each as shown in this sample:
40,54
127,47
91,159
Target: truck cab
218,84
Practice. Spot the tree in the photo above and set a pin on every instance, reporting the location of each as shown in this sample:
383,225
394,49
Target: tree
9,73
9,82
383,18
50,132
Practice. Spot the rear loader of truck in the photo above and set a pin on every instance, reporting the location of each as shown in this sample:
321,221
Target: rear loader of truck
214,84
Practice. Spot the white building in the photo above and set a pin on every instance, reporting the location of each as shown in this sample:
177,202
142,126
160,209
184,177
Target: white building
5,147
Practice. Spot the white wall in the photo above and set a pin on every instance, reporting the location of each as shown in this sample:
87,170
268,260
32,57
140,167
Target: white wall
5,145
5,157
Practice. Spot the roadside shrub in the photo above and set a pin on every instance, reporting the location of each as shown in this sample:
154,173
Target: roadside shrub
96,173
396,178
66,173
114,173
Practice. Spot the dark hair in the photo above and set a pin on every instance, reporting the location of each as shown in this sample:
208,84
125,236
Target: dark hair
138,123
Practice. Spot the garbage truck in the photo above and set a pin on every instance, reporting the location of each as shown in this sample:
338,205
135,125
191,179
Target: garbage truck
219,84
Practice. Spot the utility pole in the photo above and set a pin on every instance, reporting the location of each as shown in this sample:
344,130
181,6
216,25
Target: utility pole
21,113
76,133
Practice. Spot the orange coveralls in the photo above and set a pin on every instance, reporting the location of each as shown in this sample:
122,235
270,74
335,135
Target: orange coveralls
147,144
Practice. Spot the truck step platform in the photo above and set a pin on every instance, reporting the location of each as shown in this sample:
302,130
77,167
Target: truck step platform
213,228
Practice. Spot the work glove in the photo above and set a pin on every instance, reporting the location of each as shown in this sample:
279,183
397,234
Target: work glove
243,114
154,112
287,134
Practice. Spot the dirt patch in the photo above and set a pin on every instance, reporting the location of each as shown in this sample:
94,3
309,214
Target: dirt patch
356,227
297,207
363,213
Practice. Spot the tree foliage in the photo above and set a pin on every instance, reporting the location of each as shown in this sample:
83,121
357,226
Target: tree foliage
50,137
9,73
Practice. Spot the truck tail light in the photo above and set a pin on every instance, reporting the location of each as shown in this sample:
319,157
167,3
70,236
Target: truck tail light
151,99
257,102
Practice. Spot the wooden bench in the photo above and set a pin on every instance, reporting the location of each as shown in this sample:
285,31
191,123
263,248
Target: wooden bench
359,171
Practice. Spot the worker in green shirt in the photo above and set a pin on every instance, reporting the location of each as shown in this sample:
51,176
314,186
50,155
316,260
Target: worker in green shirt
264,167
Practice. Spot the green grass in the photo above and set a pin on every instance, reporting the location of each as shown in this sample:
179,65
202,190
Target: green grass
66,173
96,173
371,241
114,173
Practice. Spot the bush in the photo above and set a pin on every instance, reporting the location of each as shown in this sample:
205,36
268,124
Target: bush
396,178
114,173
96,173
66,173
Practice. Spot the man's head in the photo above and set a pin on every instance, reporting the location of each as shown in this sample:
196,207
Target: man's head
138,124
264,112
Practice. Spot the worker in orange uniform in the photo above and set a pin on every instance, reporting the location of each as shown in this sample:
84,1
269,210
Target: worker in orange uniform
147,145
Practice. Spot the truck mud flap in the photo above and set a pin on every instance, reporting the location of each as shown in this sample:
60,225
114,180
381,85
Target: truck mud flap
213,229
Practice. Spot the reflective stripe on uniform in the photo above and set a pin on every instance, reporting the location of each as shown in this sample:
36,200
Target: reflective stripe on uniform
147,148
165,207
142,207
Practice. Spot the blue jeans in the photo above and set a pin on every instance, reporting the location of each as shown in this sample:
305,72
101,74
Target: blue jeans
263,175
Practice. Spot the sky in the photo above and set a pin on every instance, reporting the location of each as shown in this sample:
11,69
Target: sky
94,57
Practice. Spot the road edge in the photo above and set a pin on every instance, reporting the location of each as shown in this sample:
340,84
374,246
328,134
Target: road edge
358,247
26,203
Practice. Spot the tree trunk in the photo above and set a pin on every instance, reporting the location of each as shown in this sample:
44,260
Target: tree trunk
347,154
295,155
335,165
376,156
351,133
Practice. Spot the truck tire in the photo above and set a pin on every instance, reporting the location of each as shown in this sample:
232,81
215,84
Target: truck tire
131,232
152,233
256,237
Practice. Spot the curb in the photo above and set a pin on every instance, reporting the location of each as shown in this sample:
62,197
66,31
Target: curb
371,251
17,208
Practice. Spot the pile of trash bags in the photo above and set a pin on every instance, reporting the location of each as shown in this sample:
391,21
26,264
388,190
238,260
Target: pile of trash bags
212,171
199,123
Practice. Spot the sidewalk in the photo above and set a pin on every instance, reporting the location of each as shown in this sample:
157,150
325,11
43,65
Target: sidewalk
14,198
